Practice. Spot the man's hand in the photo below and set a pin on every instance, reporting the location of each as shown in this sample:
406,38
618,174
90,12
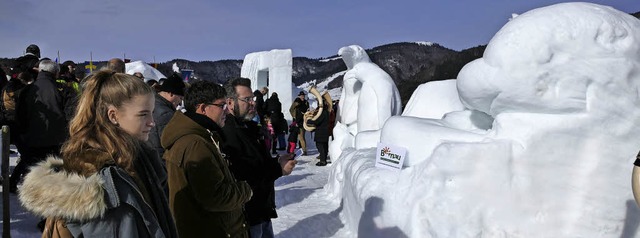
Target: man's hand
286,163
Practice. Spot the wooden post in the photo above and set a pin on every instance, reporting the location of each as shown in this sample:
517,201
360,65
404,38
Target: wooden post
6,216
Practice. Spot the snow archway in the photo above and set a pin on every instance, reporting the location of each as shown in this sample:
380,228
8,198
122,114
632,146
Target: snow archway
272,69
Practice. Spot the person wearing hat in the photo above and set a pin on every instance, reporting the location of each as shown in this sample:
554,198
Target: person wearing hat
169,96
67,75
299,106
27,65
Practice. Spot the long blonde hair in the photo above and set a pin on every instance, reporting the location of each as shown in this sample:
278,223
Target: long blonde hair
91,130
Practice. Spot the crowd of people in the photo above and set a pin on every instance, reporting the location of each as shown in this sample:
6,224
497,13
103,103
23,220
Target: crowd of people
112,156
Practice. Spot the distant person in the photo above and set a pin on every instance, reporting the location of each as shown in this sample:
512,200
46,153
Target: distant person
139,75
43,112
293,137
205,199
274,111
298,108
116,65
10,93
68,70
68,75
27,64
107,183
169,96
249,160
321,136
268,133
260,107
9,96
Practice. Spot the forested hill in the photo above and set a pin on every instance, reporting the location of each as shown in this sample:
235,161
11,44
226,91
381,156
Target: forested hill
409,64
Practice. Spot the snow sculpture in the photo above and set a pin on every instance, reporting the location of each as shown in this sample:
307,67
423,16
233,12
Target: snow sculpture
369,97
543,148
144,68
434,100
378,97
272,69
436,115
175,68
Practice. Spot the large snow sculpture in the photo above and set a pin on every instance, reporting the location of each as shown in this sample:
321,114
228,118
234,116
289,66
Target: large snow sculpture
369,97
272,69
436,115
559,85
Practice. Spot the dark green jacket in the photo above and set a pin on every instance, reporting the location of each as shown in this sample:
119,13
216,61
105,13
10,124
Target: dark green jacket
204,197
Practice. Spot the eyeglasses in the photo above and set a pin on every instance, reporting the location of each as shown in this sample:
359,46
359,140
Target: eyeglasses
222,106
247,99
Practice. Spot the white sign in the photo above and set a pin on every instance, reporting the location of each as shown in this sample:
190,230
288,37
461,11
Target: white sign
390,156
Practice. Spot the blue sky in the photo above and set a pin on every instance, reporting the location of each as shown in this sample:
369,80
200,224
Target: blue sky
213,30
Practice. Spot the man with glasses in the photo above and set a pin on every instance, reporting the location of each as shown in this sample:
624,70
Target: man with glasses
249,158
204,197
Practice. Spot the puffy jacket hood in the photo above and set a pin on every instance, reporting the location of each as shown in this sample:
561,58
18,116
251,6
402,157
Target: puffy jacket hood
50,191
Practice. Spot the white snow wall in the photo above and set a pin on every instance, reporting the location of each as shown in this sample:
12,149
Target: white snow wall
272,69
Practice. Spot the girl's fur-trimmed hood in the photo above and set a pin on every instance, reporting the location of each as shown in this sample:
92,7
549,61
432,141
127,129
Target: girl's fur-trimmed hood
49,191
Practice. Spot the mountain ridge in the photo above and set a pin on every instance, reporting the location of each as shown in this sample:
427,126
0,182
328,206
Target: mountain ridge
408,63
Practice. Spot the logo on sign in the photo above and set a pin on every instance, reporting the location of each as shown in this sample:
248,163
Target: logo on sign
386,155
391,156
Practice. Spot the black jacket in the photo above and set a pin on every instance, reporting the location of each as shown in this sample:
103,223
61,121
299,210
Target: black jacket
250,161
260,106
322,126
162,114
43,111
293,133
274,110
273,105
300,107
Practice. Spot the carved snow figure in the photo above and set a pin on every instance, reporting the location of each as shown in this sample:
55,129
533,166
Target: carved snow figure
544,146
369,97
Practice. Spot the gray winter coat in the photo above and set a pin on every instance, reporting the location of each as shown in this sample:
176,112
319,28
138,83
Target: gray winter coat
105,204
162,113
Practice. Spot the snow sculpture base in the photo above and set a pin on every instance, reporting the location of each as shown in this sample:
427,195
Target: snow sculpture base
422,136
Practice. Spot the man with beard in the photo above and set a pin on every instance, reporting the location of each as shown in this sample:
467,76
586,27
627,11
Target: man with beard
244,148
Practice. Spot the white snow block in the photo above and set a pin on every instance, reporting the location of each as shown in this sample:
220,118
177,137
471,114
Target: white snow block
272,69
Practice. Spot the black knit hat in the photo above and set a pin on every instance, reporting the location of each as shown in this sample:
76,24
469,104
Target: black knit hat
301,93
173,84
34,49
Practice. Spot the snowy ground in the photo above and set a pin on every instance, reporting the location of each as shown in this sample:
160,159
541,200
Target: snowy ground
303,206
